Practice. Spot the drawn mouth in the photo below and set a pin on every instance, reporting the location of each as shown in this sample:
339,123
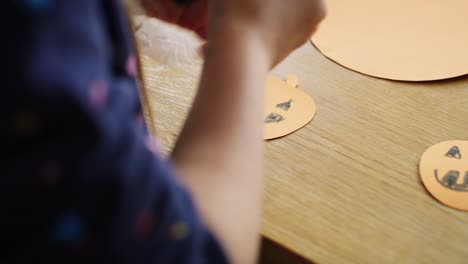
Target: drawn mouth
450,181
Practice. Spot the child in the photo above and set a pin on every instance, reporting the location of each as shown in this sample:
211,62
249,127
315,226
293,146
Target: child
82,181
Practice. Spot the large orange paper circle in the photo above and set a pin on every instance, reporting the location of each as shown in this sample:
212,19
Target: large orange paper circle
444,172
408,40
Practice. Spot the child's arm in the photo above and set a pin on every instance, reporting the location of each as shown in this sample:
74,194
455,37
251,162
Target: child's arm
220,151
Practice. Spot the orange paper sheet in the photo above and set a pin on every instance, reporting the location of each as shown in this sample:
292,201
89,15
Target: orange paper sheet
444,172
287,107
407,40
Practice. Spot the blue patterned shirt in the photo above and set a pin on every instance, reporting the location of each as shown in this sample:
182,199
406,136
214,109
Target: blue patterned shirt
82,182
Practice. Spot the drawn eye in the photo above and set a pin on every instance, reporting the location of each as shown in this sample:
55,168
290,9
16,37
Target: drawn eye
285,105
287,108
454,152
274,118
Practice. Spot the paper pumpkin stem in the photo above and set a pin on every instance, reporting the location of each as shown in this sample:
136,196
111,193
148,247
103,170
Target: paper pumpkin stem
292,80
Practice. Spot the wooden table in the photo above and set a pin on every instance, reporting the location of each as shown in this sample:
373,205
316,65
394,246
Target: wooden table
346,188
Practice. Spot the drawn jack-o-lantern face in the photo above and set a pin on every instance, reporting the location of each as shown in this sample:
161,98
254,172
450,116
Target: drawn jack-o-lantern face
444,172
287,108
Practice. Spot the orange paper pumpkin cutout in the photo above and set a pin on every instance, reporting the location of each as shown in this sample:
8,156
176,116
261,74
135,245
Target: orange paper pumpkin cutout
444,172
287,108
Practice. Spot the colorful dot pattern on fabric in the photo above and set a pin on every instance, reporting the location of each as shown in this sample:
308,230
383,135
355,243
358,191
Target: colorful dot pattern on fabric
68,229
98,93
178,231
131,66
80,165
144,225
38,5
153,145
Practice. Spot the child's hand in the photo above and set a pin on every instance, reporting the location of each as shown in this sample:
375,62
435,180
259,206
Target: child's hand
282,25
191,14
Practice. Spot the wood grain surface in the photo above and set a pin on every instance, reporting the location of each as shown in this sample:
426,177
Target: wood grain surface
346,188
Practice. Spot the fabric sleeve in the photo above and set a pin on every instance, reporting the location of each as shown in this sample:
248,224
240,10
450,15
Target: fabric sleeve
82,181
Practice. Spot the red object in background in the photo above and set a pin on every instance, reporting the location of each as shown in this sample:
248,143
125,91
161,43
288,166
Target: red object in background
190,14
